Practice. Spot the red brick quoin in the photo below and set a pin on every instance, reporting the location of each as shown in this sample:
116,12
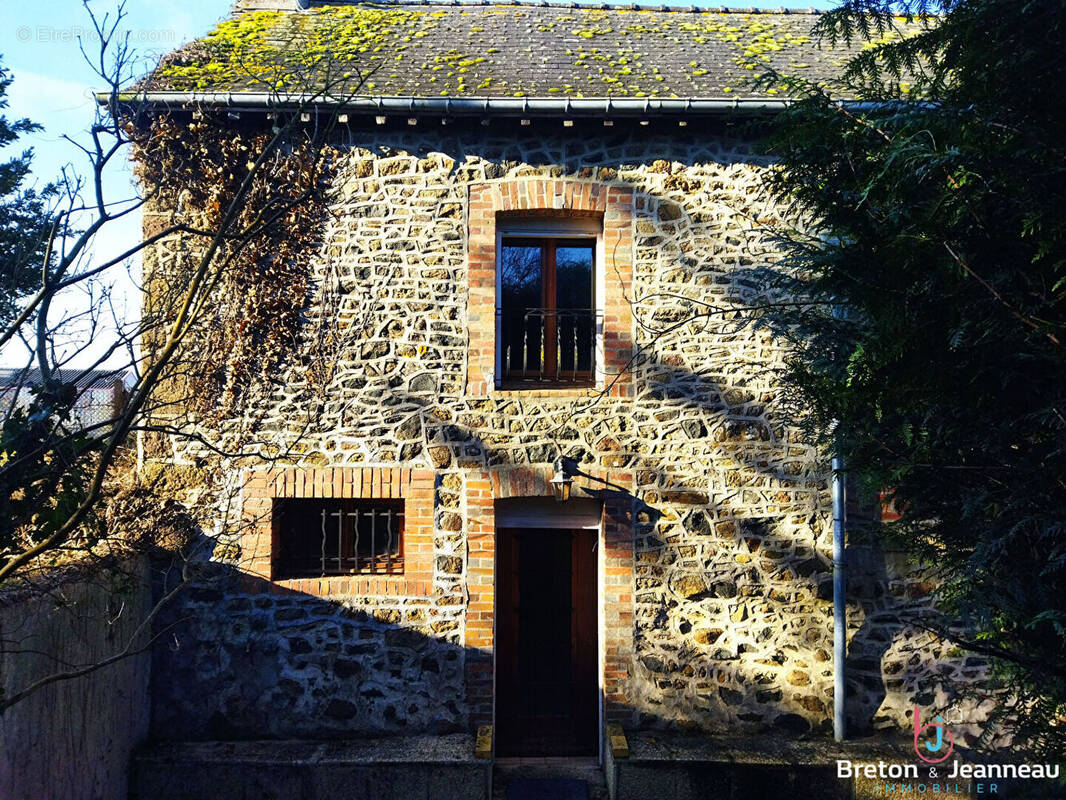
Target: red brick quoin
259,541
482,491
543,196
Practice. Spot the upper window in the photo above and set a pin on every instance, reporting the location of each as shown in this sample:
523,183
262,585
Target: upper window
547,319
318,538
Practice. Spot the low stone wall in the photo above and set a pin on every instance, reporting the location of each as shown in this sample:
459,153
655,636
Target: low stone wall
687,767
71,740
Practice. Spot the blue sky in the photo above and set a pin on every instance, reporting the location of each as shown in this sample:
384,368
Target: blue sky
53,85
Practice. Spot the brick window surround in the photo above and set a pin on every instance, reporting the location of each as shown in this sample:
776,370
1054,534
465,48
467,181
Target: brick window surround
495,200
482,491
259,541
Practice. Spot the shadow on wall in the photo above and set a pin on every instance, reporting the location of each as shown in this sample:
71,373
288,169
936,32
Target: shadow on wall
732,624
713,632
869,590
73,738
238,657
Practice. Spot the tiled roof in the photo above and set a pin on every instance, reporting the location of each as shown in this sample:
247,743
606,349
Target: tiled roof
500,50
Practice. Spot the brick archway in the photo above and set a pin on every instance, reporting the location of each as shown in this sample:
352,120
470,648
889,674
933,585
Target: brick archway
550,197
483,489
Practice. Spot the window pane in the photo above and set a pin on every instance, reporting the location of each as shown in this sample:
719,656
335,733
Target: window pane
573,269
574,299
521,282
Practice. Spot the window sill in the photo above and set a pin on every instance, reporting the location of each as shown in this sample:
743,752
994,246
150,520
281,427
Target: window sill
343,586
513,383
548,390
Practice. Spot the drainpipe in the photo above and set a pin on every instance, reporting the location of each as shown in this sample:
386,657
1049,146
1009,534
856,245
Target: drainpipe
840,631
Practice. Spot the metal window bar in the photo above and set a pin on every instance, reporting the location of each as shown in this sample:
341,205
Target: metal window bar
368,540
544,359
324,541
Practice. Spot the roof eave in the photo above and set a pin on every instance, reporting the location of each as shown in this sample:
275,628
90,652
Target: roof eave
457,106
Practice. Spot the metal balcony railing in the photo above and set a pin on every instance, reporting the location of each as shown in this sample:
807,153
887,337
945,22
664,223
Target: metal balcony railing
548,346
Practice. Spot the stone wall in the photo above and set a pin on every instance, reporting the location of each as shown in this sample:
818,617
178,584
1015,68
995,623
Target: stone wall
240,664
726,594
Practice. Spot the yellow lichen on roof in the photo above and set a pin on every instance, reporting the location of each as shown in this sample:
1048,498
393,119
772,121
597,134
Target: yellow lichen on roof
427,50
277,47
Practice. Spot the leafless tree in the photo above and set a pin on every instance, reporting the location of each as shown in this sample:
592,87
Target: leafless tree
72,496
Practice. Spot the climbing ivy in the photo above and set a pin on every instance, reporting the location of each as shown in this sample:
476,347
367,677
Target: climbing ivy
253,310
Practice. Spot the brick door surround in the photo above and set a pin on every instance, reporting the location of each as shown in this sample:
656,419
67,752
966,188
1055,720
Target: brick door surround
616,538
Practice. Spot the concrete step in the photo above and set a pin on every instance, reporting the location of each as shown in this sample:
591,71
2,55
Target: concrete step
509,770
387,768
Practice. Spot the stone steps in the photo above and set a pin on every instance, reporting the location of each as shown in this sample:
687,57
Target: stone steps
507,770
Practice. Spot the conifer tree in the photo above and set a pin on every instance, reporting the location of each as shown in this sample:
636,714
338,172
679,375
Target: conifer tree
25,214
932,355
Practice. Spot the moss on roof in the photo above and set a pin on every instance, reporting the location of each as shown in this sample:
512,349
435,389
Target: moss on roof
500,51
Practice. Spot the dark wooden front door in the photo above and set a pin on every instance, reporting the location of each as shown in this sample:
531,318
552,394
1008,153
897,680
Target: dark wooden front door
546,638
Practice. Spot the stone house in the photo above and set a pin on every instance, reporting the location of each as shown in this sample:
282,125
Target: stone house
534,207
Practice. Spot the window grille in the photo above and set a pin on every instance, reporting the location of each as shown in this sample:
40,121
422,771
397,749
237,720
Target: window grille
318,538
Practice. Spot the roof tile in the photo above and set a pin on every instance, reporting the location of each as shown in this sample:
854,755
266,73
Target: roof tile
501,50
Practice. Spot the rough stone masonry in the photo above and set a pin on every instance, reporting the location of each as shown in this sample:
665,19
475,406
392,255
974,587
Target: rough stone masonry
723,621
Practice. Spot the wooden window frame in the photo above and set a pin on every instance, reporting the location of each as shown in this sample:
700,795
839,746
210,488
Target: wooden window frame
494,205
548,244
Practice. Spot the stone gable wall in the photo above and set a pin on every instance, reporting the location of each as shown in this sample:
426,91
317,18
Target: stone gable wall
728,597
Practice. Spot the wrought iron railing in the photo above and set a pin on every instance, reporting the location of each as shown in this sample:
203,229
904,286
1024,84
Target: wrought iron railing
548,345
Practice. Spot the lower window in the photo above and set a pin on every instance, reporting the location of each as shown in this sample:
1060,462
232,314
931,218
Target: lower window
318,537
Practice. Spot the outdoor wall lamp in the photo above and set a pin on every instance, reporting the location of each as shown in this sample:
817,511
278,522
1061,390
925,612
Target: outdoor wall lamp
561,482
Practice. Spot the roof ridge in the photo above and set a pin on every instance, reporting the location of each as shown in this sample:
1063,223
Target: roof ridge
249,5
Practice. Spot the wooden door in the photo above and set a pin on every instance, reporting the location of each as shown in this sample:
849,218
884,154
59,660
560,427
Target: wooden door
546,638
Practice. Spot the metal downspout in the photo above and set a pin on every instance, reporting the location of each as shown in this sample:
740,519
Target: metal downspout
840,632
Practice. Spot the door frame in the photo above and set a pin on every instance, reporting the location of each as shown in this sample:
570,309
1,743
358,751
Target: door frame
562,521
